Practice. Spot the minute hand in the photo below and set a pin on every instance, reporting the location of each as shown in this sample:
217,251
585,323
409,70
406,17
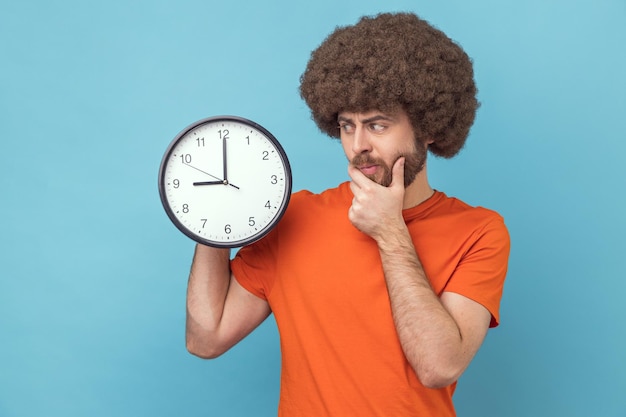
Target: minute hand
225,160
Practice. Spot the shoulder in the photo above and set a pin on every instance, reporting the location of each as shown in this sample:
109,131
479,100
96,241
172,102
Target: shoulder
482,229
310,212
453,220
336,196
453,207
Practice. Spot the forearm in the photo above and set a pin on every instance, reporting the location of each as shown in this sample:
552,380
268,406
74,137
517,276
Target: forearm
207,289
429,335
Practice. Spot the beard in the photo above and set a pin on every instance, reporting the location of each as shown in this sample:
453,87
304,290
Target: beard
413,165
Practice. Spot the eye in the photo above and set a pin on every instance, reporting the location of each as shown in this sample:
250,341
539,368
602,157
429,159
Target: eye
377,127
346,127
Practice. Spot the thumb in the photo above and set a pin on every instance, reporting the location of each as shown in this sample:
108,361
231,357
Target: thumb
397,173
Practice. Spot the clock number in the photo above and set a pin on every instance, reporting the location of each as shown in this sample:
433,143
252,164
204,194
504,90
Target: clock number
200,142
203,222
274,179
186,158
265,155
176,183
227,229
223,133
251,221
268,205
185,208
248,139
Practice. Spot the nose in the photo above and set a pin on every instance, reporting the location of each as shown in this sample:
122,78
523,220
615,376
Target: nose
361,141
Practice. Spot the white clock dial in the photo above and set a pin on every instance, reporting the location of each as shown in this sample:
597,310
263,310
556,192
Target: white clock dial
225,181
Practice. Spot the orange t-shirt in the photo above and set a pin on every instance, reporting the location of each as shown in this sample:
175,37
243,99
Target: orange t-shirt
324,282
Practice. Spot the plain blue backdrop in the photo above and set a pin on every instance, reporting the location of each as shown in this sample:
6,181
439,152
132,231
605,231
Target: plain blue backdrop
93,274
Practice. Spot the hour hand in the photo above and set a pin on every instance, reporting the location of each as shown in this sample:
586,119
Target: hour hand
223,182
215,183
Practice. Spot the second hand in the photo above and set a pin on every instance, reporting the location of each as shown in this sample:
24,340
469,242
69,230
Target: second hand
221,181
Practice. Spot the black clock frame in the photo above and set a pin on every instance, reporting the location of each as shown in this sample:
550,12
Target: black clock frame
235,243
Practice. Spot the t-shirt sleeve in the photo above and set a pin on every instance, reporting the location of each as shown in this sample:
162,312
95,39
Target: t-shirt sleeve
254,266
480,274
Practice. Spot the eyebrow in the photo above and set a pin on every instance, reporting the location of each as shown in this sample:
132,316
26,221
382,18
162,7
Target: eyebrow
366,121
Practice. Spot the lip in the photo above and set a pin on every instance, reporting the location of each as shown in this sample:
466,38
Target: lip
368,169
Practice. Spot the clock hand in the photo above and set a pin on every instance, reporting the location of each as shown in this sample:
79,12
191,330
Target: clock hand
204,172
225,163
214,183
224,160
219,180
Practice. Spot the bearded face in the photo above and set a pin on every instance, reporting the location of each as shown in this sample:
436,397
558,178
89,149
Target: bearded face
413,165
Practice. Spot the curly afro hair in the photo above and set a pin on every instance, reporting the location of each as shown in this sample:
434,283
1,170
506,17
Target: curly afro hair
389,62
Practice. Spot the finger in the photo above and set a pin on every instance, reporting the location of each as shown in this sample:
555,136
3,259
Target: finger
356,175
397,173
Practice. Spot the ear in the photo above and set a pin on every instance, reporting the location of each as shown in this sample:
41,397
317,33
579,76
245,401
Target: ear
426,143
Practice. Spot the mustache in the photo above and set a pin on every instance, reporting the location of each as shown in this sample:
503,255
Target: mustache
364,159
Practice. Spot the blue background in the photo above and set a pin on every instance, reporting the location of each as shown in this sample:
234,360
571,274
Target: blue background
93,274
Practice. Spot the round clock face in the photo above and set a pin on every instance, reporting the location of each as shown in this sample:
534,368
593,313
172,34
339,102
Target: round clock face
225,181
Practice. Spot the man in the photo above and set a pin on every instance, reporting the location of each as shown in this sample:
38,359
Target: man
382,289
